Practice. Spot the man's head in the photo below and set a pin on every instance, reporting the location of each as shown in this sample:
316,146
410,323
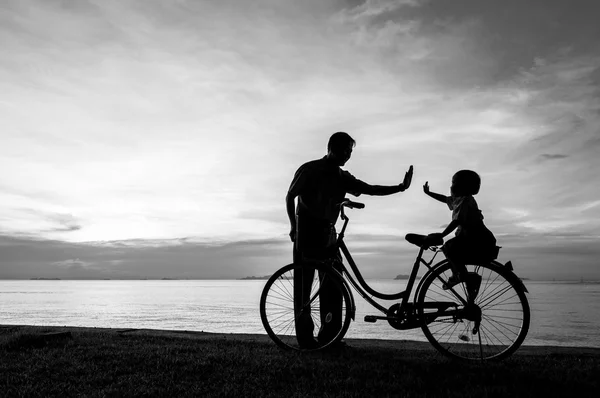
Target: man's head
339,147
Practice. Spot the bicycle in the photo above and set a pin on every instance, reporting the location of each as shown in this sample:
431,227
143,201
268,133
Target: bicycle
485,319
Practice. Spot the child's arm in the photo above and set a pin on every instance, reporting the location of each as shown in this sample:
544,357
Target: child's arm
436,196
451,227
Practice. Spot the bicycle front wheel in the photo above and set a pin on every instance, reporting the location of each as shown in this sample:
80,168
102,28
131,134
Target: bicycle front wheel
490,326
305,307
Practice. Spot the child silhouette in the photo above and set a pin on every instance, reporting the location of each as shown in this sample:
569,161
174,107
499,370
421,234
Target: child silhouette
473,241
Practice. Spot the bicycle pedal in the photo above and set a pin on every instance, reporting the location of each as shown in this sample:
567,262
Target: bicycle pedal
370,318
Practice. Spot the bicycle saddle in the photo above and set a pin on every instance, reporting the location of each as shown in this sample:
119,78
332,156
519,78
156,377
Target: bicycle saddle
423,240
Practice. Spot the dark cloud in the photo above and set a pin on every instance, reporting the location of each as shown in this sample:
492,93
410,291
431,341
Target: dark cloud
22,257
67,223
480,43
552,156
63,222
72,264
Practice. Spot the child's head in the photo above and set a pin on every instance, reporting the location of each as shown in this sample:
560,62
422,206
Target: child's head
465,182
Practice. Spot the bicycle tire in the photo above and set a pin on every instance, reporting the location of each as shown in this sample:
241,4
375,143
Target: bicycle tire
505,314
277,307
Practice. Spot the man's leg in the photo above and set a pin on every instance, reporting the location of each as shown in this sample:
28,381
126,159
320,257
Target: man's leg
303,279
332,302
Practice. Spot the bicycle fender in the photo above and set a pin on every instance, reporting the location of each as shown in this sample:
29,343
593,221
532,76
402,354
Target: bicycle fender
508,266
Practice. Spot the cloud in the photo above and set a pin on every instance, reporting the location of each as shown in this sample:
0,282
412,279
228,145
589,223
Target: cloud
36,222
552,156
72,264
371,9
67,222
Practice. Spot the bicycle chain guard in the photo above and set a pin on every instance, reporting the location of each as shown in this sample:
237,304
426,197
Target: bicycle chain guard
403,319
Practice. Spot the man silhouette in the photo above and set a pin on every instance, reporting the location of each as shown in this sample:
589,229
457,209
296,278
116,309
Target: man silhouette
320,186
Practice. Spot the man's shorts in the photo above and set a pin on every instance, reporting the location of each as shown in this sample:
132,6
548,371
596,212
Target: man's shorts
466,251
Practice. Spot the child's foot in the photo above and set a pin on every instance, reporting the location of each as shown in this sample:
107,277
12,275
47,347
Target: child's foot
452,281
473,283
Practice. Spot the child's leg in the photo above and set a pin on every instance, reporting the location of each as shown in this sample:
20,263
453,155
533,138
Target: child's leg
459,269
454,250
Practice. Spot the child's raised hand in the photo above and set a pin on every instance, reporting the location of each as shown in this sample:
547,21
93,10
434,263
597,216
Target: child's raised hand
426,187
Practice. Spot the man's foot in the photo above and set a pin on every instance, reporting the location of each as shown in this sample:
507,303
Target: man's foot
309,344
452,281
304,331
338,345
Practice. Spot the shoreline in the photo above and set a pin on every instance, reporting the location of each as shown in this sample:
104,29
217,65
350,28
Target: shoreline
411,345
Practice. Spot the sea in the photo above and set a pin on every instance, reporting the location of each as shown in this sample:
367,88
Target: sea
562,313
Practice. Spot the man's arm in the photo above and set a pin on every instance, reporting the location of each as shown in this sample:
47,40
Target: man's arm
291,212
384,190
297,185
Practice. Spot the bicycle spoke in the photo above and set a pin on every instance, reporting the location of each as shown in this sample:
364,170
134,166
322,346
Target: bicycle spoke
276,294
506,326
494,296
284,315
284,286
494,341
489,302
290,328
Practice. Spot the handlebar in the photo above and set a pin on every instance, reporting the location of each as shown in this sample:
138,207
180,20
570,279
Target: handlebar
352,205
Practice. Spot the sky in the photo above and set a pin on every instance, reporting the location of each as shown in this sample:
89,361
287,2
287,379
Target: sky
151,139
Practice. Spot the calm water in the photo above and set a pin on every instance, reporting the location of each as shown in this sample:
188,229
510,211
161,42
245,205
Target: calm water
565,314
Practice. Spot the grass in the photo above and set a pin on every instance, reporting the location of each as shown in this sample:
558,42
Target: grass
107,362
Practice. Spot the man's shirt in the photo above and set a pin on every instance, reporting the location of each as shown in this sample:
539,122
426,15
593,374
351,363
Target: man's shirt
320,186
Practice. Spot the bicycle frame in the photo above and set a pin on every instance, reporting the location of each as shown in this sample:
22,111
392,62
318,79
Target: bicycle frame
453,321
361,286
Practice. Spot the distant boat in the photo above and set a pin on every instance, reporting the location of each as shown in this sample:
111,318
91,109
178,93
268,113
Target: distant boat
252,278
45,279
401,276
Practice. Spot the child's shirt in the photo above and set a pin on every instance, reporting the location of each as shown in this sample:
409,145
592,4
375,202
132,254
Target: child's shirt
465,210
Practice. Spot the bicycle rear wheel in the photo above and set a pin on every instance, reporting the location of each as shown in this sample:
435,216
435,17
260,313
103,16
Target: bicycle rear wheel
322,312
491,327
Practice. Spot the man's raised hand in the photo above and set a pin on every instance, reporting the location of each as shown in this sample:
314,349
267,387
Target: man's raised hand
407,178
426,187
